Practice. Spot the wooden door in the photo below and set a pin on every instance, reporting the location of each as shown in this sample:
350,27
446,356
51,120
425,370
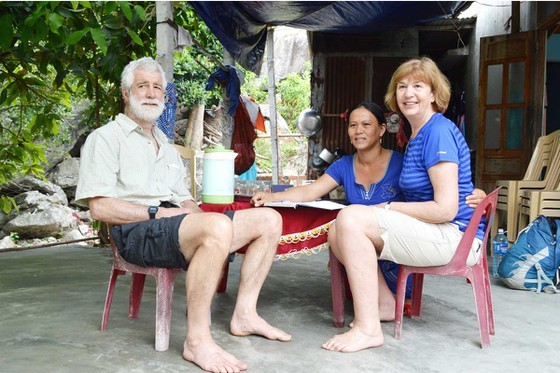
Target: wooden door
510,105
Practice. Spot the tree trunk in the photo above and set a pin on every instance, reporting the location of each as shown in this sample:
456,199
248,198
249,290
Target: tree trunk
195,127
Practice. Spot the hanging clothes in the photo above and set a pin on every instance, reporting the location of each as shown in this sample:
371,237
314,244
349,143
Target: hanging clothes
242,140
232,83
254,110
166,121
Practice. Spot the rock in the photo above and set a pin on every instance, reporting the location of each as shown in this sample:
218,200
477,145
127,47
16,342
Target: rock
4,218
41,223
75,234
83,216
7,243
36,200
29,183
291,52
65,175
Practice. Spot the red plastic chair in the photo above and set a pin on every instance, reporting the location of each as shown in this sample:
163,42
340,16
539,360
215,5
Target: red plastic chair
476,275
164,293
339,287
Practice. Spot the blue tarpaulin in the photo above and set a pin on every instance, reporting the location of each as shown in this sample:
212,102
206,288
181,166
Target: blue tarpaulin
241,25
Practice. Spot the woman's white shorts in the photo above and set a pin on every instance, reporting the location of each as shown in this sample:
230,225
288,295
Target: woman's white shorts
412,242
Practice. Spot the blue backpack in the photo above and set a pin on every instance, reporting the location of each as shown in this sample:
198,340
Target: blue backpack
533,260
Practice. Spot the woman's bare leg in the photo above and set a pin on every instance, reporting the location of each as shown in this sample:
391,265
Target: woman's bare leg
355,230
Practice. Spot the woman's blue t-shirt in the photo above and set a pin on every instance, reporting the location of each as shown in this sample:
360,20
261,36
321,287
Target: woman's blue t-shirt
386,190
439,140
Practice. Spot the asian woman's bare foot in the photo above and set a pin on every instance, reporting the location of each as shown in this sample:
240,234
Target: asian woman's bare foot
354,340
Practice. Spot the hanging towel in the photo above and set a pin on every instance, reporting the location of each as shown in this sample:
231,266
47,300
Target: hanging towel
232,83
166,121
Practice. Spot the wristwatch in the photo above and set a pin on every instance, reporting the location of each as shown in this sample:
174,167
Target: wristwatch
387,206
152,211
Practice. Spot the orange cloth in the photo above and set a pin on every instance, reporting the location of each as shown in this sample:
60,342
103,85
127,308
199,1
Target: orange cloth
255,113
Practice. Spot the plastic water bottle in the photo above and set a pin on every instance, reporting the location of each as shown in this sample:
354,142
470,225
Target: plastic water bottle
499,249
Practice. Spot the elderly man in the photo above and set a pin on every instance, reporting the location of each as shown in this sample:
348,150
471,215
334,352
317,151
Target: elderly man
133,179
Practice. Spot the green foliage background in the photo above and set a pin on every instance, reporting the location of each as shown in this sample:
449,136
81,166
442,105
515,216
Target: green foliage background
52,54
55,56
293,95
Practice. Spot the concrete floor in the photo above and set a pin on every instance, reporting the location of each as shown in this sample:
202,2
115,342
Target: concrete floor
51,302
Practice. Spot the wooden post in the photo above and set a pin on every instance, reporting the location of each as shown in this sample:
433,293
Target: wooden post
227,121
515,17
195,127
166,37
272,103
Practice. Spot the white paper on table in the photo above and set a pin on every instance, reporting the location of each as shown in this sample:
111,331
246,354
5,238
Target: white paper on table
322,204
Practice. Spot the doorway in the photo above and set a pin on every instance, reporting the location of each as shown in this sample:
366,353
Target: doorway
553,83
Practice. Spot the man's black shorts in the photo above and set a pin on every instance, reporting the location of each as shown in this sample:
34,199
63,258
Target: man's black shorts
152,243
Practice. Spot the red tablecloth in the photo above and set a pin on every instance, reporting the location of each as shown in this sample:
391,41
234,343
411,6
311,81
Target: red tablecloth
304,229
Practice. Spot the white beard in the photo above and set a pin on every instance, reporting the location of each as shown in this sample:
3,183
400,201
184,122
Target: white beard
145,113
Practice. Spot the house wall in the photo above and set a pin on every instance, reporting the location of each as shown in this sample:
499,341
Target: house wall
347,69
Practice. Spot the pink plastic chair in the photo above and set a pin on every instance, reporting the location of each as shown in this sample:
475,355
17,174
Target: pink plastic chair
164,293
476,275
339,287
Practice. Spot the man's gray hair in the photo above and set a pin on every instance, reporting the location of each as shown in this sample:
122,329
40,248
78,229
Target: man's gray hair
144,63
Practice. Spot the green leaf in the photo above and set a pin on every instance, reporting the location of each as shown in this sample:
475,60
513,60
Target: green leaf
126,10
76,36
53,127
55,22
11,94
33,80
41,31
134,36
3,96
99,39
6,31
7,203
30,20
140,11
32,122
111,7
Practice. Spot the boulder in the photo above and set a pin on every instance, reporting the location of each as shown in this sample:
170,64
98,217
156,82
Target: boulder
36,223
29,183
291,52
65,175
7,243
35,200
4,218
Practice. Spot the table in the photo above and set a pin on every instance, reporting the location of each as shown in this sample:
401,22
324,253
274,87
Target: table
304,229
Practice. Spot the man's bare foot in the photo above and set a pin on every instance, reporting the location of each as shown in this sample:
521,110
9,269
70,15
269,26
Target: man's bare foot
211,357
257,325
354,340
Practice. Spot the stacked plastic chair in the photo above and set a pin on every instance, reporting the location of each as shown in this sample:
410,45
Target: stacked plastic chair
543,202
538,176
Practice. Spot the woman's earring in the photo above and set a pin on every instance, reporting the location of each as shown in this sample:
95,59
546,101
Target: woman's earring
380,140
